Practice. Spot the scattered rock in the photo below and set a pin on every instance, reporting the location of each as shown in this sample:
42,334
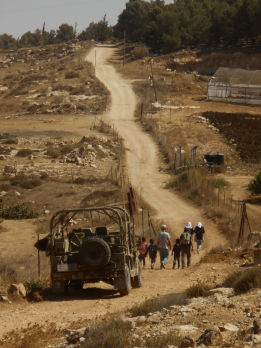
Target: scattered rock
228,327
226,292
47,211
74,338
17,290
257,326
3,298
187,342
211,337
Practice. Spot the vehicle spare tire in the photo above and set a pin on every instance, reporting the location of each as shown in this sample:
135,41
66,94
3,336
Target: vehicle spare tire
94,253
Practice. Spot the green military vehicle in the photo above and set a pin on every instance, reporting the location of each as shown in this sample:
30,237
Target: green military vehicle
92,254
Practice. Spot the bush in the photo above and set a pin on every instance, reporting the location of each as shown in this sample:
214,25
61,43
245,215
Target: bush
115,333
79,181
10,141
26,182
24,153
255,185
140,52
197,290
33,286
72,75
16,211
54,153
219,183
243,281
67,148
178,182
30,184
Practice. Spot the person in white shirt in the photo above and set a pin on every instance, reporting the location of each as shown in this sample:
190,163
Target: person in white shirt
164,245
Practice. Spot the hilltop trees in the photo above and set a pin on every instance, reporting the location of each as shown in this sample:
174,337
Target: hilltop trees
97,31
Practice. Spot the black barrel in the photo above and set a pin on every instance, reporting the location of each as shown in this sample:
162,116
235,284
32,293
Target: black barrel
209,158
219,159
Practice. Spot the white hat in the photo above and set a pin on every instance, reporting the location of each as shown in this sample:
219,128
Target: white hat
164,226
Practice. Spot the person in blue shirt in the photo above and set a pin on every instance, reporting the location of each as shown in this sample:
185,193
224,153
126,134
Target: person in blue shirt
176,252
152,250
186,245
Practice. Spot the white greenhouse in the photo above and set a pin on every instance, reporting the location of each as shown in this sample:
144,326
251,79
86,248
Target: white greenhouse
236,86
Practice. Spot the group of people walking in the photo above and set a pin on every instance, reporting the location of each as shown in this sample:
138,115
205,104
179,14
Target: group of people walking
183,246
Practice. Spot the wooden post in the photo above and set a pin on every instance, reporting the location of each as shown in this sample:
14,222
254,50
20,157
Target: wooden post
218,197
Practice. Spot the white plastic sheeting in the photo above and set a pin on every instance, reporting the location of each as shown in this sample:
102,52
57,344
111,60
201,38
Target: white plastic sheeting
236,86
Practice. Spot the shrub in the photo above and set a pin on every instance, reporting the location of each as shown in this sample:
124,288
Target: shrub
33,286
197,290
16,211
140,52
255,185
72,75
82,107
114,333
24,153
67,148
178,182
79,181
54,153
10,141
243,280
30,184
219,183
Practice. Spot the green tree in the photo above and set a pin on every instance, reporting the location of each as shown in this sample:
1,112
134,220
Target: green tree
255,185
65,33
7,42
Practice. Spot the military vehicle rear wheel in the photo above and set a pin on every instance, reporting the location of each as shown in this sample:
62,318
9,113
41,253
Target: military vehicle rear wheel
127,280
137,280
94,253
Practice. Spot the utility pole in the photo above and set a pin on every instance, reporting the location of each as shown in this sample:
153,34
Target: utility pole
124,49
95,66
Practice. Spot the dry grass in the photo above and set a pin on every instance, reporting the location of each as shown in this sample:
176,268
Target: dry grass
244,280
72,75
197,290
116,333
155,304
31,337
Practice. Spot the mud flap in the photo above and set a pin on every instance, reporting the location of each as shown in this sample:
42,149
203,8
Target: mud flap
58,286
120,283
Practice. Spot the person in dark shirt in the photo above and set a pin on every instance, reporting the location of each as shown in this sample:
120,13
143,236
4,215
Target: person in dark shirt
186,245
176,252
199,238
152,250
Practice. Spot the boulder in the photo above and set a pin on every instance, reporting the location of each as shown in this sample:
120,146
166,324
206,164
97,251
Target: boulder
257,326
17,290
2,157
228,327
129,322
88,138
185,328
187,342
211,337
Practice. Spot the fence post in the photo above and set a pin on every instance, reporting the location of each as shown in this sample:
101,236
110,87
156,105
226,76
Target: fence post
39,261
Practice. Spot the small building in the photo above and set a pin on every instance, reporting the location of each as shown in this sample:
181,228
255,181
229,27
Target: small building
236,86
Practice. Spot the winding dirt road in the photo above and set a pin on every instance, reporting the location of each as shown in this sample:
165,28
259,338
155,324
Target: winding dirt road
142,159
142,163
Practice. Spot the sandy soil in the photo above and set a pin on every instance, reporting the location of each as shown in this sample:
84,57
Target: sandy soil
142,168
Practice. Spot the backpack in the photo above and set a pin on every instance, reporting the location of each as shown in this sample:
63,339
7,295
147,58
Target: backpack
152,250
185,237
199,232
